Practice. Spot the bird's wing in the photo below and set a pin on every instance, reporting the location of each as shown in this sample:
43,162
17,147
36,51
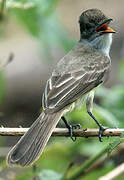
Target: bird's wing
61,90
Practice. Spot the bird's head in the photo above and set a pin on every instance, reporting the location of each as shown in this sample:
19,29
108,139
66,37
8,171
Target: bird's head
94,28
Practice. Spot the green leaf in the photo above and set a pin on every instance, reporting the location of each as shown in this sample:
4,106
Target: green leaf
114,144
40,19
112,100
11,4
49,175
107,115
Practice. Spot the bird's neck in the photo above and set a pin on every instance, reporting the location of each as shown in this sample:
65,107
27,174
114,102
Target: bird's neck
102,43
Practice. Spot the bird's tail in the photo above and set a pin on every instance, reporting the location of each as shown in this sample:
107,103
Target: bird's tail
32,144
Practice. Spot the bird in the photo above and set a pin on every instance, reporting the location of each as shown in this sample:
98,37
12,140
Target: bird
72,83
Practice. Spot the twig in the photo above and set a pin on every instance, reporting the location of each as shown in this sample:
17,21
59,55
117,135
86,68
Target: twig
64,132
93,163
99,162
114,173
8,60
81,171
2,7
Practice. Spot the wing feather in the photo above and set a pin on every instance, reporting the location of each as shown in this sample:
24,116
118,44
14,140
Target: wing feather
64,89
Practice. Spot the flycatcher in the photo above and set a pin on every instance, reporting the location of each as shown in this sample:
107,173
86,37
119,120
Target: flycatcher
73,80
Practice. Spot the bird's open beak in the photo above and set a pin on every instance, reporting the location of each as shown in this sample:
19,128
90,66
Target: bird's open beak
103,28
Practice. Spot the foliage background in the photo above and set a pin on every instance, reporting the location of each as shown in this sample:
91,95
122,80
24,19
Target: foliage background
39,33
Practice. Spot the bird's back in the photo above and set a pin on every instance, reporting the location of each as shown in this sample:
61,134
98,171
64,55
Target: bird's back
77,73
81,57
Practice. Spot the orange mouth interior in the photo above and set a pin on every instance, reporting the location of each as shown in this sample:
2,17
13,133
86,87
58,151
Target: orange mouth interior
104,28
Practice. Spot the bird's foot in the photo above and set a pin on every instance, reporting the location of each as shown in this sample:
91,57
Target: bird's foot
70,128
76,126
101,130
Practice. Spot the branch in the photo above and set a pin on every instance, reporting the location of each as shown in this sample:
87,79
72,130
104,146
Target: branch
81,170
7,61
114,173
64,132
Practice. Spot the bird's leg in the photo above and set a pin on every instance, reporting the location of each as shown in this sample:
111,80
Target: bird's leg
70,128
89,104
101,128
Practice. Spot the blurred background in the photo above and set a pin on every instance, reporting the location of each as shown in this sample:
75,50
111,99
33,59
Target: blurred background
39,33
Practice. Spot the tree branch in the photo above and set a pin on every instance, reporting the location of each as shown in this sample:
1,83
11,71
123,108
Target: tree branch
114,173
81,170
64,132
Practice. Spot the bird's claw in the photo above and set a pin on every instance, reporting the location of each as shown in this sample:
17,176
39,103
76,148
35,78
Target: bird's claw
101,130
71,127
76,126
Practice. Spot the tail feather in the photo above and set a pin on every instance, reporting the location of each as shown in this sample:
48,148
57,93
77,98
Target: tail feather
32,144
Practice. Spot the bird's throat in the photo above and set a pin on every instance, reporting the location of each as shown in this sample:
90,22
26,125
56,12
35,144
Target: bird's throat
102,43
